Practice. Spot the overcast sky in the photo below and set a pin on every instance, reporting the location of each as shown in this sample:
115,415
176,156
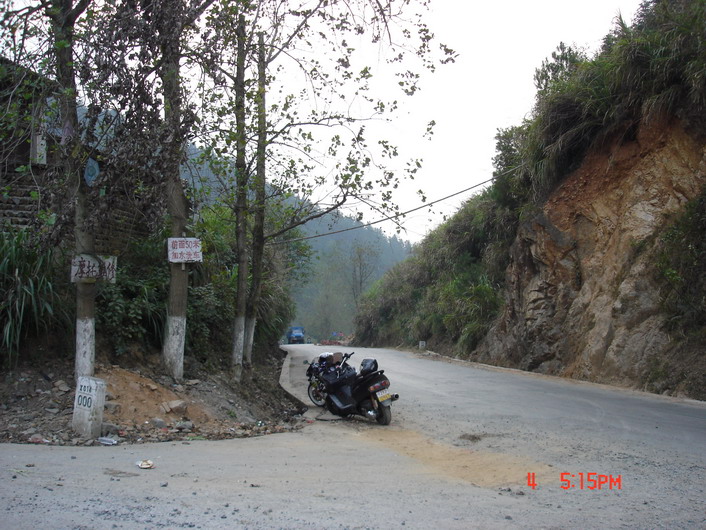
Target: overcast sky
490,86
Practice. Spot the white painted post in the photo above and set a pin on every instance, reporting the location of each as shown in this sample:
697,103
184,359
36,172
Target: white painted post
88,407
85,346
173,348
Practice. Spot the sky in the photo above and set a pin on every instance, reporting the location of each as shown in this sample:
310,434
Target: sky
490,86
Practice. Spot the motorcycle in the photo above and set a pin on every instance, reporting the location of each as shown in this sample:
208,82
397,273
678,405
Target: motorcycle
348,392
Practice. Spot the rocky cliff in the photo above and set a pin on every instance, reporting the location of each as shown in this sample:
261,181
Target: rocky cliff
582,297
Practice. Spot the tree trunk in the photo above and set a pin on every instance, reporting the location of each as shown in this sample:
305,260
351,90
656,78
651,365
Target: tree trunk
175,331
250,325
63,16
241,208
258,231
85,292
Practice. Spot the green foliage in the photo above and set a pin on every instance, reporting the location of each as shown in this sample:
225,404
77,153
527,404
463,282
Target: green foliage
470,303
682,267
443,294
133,309
275,312
326,296
211,299
655,68
565,61
209,317
449,292
29,299
511,187
381,316
216,230
212,295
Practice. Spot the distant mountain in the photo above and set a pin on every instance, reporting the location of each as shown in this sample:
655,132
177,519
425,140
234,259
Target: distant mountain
346,253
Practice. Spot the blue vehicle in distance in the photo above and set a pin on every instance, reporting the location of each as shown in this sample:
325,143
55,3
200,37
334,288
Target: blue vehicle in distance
295,335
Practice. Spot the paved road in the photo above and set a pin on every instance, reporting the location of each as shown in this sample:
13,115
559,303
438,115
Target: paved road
653,446
457,455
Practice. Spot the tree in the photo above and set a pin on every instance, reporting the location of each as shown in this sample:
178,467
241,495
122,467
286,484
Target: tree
139,48
564,62
63,16
47,30
258,230
172,20
323,172
362,264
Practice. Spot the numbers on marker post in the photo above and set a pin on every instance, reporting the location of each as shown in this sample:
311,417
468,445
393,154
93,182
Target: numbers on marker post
82,400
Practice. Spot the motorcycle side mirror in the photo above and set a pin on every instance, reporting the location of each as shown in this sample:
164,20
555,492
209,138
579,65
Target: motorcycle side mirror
306,361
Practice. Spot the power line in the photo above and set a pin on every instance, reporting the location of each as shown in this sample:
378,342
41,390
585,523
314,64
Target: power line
389,218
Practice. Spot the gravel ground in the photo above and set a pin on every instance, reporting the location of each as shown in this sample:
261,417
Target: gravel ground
36,404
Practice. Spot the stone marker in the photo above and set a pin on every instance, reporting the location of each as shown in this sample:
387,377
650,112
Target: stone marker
88,407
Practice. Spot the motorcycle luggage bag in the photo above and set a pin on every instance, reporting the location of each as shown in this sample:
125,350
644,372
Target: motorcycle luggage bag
334,379
331,359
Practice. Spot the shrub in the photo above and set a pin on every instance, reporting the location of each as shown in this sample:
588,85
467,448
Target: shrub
682,267
133,309
30,302
210,313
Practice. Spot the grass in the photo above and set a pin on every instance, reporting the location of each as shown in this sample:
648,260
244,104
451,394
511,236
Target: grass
29,300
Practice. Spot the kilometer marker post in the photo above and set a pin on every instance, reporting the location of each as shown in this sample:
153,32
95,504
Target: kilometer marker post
88,407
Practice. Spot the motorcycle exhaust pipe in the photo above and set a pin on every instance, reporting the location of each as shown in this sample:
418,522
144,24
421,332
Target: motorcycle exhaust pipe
395,397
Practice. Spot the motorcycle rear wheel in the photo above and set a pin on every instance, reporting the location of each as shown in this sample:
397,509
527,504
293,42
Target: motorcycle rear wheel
316,396
384,416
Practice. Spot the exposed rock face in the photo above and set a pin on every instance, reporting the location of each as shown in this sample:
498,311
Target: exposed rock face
582,300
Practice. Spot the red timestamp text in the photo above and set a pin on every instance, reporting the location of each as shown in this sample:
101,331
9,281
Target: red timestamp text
583,481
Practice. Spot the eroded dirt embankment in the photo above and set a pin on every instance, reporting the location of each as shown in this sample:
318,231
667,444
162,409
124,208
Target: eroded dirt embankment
583,294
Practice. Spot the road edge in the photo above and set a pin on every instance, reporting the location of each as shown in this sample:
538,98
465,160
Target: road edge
285,378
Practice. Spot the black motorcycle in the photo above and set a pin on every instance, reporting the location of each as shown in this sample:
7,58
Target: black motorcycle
348,392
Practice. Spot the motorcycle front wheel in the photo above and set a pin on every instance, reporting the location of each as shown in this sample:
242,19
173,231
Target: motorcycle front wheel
384,416
316,395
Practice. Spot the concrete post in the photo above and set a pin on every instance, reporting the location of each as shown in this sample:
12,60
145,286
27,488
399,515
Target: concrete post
88,407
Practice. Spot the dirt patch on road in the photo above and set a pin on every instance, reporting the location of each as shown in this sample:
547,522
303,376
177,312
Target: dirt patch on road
481,468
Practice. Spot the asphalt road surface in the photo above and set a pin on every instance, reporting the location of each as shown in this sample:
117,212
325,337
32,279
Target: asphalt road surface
469,447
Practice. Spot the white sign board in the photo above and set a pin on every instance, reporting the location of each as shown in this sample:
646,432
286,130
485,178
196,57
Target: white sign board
184,250
88,406
86,268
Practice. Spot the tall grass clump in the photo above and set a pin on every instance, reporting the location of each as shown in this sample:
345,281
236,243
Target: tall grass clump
30,302
654,69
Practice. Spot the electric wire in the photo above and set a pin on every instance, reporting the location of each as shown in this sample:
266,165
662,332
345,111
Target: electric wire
388,218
